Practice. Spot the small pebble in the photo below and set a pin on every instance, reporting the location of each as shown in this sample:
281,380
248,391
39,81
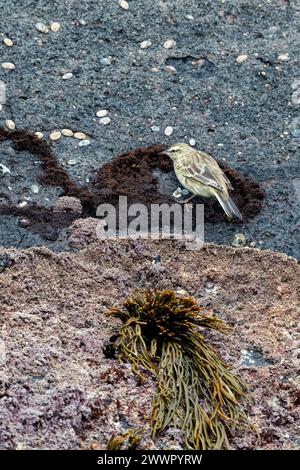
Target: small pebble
155,128
67,76
42,28
296,97
198,62
296,84
189,17
67,132
8,42
10,124
241,58
105,121
106,61
2,93
55,26
24,222
39,135
181,292
192,142
23,204
84,143
4,169
154,69
283,57
80,135
145,44
123,4
169,44
102,113
169,130
72,162
156,260
296,133
238,240
8,66
170,69
34,188
56,135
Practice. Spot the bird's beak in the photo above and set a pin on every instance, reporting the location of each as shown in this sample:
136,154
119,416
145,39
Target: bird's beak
164,152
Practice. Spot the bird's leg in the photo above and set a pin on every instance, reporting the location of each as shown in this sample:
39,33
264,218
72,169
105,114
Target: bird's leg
187,200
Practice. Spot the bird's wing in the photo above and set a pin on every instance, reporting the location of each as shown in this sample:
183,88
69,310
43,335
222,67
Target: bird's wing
205,169
227,181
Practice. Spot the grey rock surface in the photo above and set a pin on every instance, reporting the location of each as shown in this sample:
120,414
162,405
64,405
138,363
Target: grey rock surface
246,112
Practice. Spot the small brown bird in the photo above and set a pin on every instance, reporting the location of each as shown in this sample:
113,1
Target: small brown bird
201,175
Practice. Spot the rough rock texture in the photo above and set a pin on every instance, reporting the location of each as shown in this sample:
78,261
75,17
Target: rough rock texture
68,204
231,83
82,232
246,113
57,388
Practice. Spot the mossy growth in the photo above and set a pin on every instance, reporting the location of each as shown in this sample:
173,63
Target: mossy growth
196,391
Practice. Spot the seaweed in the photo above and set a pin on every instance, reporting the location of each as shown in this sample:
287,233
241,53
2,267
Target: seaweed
196,391
128,441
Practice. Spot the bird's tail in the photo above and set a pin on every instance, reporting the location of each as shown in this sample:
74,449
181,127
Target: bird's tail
228,206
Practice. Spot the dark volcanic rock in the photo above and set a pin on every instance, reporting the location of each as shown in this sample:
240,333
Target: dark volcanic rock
245,113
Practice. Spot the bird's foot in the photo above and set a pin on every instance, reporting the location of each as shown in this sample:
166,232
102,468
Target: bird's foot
186,201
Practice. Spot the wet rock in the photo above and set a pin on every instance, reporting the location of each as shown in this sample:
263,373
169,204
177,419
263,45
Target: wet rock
254,358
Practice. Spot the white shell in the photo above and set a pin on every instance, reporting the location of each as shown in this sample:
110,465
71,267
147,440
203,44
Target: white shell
10,124
80,135
42,28
56,135
8,66
55,26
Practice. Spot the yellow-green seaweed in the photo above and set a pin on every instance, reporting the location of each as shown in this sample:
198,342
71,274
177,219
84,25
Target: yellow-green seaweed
196,391
127,441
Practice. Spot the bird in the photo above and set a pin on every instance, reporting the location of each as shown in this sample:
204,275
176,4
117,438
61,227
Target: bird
199,172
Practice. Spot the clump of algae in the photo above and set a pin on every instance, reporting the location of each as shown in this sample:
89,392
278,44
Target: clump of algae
196,391
129,441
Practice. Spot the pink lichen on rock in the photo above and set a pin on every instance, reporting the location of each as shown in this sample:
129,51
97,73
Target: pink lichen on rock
83,232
